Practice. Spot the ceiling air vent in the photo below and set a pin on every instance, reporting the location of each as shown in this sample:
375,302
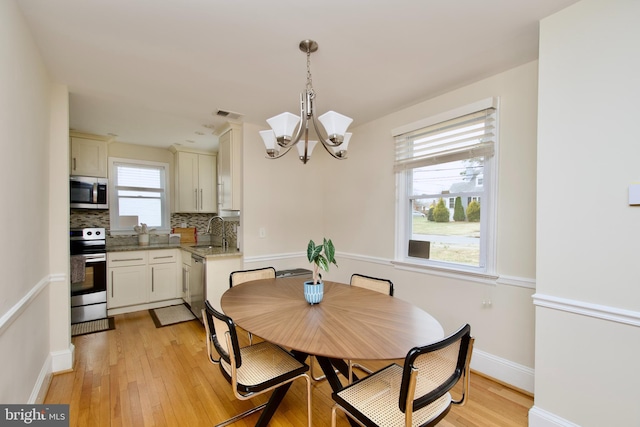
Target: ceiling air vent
228,114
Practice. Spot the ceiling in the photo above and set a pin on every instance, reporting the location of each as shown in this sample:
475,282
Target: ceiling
156,72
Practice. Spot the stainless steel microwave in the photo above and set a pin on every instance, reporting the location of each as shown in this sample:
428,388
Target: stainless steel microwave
87,192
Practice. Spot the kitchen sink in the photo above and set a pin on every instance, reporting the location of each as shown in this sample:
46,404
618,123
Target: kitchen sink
207,246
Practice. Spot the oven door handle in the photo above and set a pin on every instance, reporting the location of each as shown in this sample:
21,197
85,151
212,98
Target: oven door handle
95,258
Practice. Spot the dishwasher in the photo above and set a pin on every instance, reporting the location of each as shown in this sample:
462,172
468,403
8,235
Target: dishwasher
197,284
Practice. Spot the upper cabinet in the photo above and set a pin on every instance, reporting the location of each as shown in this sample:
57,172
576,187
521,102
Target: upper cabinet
88,155
230,168
195,182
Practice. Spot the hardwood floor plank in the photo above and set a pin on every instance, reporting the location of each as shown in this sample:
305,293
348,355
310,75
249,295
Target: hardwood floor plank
138,375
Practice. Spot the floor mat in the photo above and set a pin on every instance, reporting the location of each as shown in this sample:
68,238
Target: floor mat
171,315
92,326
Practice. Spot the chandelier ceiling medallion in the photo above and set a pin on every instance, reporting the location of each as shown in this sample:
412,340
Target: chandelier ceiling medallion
288,130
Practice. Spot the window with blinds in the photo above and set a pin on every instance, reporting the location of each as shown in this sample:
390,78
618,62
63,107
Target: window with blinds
446,178
138,194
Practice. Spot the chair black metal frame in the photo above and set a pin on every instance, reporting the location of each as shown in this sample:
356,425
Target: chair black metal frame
251,370
417,392
384,286
254,274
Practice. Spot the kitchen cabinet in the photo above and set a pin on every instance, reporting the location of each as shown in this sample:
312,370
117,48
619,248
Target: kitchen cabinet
196,182
126,278
136,278
230,168
163,273
88,156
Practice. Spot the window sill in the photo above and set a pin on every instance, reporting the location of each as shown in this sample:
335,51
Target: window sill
158,231
472,276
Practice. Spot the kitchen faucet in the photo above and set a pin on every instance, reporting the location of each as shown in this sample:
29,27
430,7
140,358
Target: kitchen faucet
223,242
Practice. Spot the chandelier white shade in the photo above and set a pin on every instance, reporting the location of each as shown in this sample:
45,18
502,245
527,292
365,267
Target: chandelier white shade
288,130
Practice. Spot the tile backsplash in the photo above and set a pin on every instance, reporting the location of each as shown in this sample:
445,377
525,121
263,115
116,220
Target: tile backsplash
81,218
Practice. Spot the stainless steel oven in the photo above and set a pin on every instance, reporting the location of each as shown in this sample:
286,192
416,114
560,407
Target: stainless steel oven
88,274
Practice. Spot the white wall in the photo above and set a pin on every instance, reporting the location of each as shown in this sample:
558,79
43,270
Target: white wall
283,196
353,202
588,296
25,129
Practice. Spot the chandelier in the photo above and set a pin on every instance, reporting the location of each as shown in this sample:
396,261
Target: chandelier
288,130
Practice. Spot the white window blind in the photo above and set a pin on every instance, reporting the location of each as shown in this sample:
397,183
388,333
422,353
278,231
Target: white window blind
464,137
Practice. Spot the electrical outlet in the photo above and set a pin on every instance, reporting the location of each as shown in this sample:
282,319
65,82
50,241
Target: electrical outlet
262,232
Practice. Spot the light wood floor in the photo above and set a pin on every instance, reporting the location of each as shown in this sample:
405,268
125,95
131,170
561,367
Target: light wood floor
140,375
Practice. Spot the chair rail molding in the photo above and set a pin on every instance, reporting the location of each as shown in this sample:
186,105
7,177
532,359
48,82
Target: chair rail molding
521,282
14,312
598,311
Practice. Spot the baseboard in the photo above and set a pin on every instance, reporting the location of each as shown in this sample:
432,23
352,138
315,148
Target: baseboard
540,418
142,307
57,361
503,370
62,360
41,386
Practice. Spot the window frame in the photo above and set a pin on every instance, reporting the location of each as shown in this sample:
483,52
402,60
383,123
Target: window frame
489,197
115,228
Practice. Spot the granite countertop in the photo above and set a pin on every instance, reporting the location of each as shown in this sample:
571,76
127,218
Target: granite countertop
206,251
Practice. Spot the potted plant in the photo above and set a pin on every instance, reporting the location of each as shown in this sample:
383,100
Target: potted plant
143,234
321,256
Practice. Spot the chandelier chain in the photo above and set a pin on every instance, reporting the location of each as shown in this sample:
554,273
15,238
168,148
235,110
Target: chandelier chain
309,82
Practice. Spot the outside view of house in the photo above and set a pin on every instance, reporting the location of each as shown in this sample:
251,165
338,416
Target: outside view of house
446,210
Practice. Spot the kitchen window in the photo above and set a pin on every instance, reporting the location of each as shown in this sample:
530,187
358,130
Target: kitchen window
445,165
138,194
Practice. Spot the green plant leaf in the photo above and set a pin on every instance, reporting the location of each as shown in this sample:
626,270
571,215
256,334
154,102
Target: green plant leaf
322,263
330,251
310,248
313,251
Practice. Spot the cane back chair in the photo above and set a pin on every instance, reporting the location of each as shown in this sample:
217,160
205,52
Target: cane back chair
414,395
251,370
241,276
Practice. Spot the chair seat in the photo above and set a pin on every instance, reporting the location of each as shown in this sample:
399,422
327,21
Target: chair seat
375,399
263,365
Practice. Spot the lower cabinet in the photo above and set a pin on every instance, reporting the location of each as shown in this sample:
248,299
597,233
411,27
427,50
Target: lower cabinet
141,277
163,272
127,286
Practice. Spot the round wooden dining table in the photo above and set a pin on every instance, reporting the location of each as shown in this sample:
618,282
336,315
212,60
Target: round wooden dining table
349,323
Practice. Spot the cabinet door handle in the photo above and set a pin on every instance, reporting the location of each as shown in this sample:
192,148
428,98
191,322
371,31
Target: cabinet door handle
201,200
162,257
196,190
112,284
74,163
152,280
128,259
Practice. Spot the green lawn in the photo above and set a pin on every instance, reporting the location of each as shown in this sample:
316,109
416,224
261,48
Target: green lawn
451,252
423,226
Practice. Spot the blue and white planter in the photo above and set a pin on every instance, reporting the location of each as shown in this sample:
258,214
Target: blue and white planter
313,293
